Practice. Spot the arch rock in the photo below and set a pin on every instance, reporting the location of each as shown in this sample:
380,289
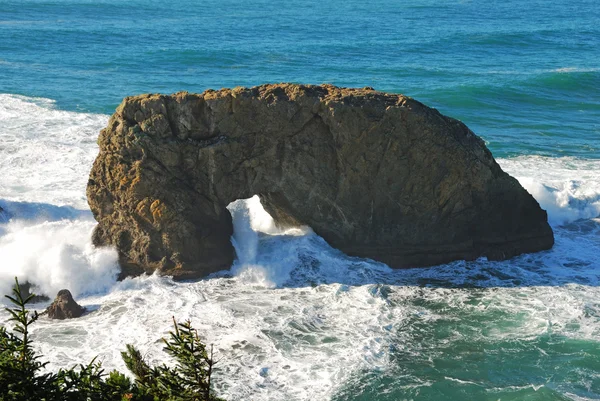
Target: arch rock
377,175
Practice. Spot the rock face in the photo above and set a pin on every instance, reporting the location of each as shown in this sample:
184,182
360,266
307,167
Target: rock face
64,307
376,175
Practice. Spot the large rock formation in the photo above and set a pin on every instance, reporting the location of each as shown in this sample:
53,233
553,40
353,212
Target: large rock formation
376,175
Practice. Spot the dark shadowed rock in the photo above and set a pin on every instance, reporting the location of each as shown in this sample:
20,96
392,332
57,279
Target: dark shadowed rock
3,216
64,307
28,289
376,175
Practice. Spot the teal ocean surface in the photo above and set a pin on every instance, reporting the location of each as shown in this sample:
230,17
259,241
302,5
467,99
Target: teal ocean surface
294,319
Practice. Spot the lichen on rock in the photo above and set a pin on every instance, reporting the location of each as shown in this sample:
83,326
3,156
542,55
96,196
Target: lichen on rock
376,175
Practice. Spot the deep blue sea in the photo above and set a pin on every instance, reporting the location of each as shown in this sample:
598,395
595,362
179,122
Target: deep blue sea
294,319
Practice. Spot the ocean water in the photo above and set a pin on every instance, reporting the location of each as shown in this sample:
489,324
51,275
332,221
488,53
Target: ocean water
293,318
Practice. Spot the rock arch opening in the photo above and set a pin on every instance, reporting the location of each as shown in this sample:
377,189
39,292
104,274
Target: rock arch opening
250,222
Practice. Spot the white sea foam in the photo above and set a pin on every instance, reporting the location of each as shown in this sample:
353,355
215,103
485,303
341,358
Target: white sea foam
250,220
294,319
575,69
45,157
45,154
567,188
55,255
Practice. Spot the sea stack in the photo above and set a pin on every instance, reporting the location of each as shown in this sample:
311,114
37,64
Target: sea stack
64,307
377,175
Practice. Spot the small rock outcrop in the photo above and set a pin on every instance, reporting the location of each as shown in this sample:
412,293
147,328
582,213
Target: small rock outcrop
376,175
64,307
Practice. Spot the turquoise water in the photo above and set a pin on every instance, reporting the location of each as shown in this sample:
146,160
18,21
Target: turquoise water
298,320
525,75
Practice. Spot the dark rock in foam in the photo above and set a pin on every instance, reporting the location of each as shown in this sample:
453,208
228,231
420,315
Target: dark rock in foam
64,307
376,175
28,289
3,216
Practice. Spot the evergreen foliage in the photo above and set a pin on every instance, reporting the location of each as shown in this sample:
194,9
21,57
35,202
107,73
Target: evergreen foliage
23,376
